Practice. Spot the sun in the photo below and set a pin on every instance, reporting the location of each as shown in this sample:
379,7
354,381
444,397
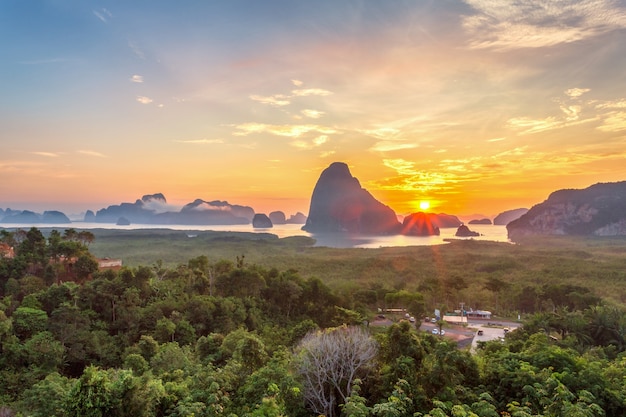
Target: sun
424,205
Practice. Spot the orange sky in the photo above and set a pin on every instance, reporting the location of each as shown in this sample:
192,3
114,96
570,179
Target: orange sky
474,107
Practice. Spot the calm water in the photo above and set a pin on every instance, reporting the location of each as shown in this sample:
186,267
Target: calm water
488,232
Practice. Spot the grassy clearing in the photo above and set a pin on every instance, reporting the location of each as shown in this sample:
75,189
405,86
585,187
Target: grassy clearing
452,272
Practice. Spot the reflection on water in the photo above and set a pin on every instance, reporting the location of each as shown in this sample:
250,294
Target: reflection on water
340,240
334,240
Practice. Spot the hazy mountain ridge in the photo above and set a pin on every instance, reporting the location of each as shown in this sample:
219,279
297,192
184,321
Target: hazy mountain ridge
152,209
508,216
597,210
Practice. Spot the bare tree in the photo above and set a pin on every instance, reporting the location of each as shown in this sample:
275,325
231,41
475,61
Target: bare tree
329,361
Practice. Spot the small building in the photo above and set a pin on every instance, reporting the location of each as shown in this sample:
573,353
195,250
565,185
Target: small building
6,251
478,314
108,263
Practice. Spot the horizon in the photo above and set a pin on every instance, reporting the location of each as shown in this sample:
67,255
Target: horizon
463,107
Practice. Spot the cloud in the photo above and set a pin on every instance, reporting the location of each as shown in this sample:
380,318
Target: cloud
617,104
390,145
534,24
136,50
47,61
144,100
280,100
92,153
409,178
570,116
529,125
312,114
160,207
277,100
293,131
103,14
201,141
571,112
608,113
614,122
576,92
48,154
320,140
297,83
207,206
311,92
137,78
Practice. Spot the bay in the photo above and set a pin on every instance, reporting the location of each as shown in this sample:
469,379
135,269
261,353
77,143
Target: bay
335,240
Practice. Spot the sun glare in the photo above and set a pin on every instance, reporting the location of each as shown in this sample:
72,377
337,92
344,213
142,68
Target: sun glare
424,205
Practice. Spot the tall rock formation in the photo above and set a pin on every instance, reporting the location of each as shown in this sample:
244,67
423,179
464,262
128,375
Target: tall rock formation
261,221
508,216
340,204
277,217
419,224
598,210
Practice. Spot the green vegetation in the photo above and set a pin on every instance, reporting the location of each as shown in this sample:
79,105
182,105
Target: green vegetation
233,325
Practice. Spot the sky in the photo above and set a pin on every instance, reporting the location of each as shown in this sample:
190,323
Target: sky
468,106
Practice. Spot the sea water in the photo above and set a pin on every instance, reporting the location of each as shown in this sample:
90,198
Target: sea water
335,240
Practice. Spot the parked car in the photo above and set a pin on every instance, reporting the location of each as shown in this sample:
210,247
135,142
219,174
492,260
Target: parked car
435,331
480,333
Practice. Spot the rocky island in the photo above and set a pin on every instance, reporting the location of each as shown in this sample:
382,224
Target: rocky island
598,210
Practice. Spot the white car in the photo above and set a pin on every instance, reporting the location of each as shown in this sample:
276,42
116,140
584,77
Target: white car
435,331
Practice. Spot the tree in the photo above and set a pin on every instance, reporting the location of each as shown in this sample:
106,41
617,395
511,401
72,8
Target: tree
48,397
29,321
329,362
495,285
85,265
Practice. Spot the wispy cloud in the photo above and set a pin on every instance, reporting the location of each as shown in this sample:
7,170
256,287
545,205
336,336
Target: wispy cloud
137,78
136,50
389,146
281,100
614,122
201,141
47,61
277,100
533,24
570,115
576,92
92,153
608,114
103,14
409,178
311,92
48,154
312,114
293,131
144,100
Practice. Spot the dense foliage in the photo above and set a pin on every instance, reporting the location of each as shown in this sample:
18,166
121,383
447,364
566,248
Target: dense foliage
230,337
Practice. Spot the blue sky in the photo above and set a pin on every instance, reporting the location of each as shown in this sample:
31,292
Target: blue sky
476,106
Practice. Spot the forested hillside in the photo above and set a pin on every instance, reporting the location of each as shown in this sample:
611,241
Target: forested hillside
240,337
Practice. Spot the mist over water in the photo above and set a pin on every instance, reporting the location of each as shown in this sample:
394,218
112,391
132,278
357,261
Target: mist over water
334,240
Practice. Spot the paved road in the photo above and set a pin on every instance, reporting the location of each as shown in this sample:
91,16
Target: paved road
491,330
